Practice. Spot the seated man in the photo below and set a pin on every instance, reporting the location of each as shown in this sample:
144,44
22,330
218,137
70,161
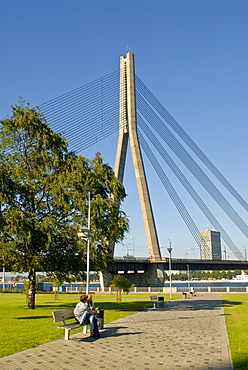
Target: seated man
83,316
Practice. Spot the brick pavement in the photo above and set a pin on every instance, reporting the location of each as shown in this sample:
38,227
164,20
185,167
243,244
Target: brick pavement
185,334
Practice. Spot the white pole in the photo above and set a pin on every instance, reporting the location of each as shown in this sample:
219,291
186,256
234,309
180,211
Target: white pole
3,277
188,278
169,250
88,248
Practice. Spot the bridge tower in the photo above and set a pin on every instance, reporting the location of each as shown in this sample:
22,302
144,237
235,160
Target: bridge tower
154,276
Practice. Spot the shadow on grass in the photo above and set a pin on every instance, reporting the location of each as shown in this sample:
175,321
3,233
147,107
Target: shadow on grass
123,306
32,317
231,304
241,364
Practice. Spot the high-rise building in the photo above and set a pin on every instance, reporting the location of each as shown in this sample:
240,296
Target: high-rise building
210,245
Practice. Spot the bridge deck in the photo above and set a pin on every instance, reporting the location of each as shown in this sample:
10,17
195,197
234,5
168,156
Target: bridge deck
141,264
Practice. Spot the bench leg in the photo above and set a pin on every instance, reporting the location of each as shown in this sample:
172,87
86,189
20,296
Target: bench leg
100,323
67,334
85,329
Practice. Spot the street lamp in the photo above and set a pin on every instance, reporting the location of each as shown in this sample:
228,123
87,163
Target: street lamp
86,233
188,278
132,244
3,280
169,250
88,248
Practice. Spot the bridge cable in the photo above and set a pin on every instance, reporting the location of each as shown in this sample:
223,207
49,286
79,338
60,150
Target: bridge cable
170,189
89,112
141,87
167,136
198,200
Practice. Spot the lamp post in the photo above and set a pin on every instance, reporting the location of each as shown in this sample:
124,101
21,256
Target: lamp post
169,250
3,277
85,234
132,244
188,278
88,248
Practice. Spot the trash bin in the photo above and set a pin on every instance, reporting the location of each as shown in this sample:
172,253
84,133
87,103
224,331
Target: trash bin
99,315
161,301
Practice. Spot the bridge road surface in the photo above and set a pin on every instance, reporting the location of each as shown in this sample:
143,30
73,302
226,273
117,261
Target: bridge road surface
184,334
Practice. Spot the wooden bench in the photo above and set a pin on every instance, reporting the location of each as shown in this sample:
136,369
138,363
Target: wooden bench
66,315
157,301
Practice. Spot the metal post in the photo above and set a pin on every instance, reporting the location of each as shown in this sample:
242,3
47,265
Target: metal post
133,243
88,248
3,277
169,250
188,278
225,251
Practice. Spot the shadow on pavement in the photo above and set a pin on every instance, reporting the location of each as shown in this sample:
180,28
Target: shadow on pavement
193,305
109,332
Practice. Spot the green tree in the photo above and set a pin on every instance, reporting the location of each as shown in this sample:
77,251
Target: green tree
56,285
43,202
122,284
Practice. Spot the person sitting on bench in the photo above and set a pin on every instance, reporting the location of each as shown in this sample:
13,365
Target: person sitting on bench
192,292
83,316
90,303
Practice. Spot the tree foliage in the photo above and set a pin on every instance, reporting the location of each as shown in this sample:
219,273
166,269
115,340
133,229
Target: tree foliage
43,201
122,284
204,275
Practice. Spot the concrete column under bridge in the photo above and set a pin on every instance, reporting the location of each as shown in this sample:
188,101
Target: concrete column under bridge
153,276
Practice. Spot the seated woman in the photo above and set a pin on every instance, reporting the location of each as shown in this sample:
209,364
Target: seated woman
83,316
90,303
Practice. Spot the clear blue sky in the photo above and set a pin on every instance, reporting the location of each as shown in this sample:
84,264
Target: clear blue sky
191,54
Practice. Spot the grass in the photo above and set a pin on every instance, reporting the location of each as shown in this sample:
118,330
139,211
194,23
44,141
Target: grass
22,328
236,314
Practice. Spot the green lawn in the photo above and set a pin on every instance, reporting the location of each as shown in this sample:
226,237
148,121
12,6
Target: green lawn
236,314
22,328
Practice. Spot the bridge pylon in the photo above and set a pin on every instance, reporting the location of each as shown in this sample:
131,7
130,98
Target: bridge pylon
128,133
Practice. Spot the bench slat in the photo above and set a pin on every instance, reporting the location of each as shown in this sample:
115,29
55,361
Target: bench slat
63,315
73,325
153,297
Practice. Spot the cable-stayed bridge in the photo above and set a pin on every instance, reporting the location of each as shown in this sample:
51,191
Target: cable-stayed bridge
121,102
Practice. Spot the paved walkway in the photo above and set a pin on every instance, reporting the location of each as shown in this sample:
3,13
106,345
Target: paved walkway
185,334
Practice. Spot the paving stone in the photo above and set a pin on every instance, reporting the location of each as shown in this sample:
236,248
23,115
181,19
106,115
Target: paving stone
184,334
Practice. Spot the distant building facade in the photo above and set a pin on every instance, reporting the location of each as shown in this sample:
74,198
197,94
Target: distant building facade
210,245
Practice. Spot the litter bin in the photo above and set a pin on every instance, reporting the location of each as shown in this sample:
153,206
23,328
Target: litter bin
160,301
99,315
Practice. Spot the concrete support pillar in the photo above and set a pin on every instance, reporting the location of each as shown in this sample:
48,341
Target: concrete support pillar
121,151
105,280
145,202
154,276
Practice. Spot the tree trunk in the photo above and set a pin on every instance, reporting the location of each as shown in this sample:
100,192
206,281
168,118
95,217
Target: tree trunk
31,290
